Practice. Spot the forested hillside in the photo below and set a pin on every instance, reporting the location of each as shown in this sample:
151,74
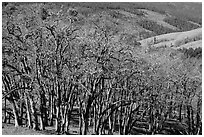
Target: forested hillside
95,68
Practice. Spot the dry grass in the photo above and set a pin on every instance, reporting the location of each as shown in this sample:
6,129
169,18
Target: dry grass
9,129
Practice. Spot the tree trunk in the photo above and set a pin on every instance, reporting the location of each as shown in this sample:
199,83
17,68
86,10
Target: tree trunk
15,112
68,122
21,113
151,120
51,109
84,125
198,123
189,119
121,116
80,124
64,117
110,122
5,117
42,125
43,115
35,116
58,105
94,118
28,112
114,120
57,120
45,119
180,110
85,117
192,121
80,116
120,122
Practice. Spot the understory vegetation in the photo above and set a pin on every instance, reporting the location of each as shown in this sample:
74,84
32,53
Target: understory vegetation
58,73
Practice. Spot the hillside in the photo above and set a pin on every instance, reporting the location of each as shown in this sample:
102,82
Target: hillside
177,40
186,10
101,68
144,18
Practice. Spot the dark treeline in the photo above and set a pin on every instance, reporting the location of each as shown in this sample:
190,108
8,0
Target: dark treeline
196,53
56,73
154,27
182,24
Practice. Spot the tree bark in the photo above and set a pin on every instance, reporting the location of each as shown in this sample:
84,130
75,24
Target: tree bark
28,112
42,125
58,105
189,119
94,118
85,116
15,112
35,116
180,111
21,113
43,114
51,109
80,116
57,120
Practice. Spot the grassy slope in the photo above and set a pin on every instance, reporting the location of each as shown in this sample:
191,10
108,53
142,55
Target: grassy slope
9,129
179,9
157,17
177,39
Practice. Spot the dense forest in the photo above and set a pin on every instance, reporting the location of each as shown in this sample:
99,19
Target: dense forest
62,69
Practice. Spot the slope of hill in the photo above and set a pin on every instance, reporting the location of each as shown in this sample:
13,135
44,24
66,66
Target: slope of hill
132,15
194,45
157,17
186,10
101,68
177,39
